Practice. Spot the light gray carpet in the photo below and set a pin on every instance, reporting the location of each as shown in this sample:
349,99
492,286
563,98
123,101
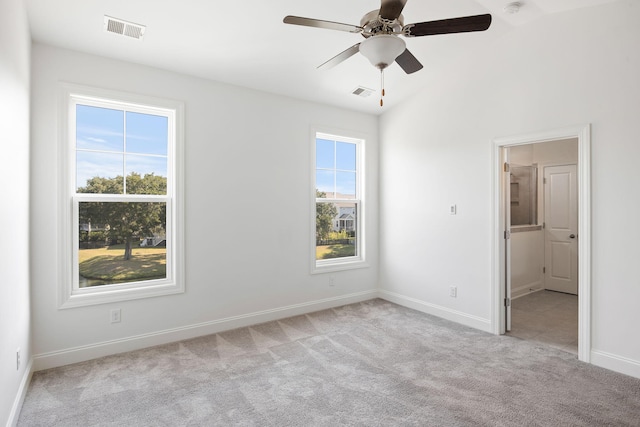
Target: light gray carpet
368,364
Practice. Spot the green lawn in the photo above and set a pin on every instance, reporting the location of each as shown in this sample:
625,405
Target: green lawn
335,251
108,263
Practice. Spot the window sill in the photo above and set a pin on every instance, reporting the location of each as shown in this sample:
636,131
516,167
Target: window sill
104,296
331,266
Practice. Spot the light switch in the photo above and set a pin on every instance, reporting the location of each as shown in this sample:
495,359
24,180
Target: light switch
453,209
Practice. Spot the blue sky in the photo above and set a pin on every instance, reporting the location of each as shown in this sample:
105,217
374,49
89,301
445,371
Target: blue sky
101,140
336,167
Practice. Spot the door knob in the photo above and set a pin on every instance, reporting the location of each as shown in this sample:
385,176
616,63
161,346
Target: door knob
572,236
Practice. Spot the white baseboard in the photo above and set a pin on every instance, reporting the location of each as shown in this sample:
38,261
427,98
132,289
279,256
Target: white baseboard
437,310
22,393
527,289
616,363
80,354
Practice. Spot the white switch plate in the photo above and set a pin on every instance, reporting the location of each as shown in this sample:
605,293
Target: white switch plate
453,209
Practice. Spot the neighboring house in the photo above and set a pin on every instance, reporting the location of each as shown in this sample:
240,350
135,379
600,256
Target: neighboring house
345,220
90,238
87,227
156,240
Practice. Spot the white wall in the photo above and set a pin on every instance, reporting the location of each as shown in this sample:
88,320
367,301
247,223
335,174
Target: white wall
521,155
247,160
555,152
15,45
561,70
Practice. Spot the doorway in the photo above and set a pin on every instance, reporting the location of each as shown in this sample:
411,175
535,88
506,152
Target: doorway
504,238
543,224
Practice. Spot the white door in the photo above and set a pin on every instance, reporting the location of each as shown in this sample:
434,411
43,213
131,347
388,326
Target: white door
561,229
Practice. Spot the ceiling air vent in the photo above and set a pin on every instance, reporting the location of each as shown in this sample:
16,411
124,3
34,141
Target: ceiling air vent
124,28
362,91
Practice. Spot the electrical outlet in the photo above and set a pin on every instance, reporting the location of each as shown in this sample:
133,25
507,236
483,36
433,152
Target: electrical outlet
115,315
18,359
453,291
332,281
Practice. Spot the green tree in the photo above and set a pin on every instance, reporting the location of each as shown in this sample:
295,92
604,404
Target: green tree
325,213
126,221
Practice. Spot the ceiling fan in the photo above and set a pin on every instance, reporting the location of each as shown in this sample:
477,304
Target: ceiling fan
381,29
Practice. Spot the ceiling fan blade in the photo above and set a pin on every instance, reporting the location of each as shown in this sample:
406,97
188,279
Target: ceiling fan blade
317,23
408,62
344,55
448,26
391,9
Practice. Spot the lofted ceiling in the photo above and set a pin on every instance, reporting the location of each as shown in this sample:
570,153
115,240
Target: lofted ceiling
245,43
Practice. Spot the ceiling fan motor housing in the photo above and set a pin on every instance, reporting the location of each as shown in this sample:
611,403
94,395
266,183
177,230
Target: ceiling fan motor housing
373,24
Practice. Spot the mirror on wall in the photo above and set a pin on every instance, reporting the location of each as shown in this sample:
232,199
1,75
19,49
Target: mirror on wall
524,195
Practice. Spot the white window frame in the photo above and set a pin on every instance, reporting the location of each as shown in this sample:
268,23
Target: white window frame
70,294
359,260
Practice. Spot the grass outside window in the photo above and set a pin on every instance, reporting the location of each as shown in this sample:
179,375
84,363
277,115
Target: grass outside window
108,264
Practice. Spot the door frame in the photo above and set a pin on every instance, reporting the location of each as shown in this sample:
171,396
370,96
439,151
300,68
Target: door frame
499,253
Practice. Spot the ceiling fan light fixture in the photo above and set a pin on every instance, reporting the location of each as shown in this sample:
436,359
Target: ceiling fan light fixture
382,50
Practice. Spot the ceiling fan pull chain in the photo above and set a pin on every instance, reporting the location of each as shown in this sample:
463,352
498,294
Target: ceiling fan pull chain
382,86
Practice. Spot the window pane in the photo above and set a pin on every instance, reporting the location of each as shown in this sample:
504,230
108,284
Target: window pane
99,172
336,228
325,183
146,184
147,133
146,174
99,128
345,156
325,154
346,185
121,242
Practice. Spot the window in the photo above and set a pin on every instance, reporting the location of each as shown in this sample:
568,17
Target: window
121,210
339,213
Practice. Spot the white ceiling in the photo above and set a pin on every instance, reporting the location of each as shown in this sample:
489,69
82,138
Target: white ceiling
244,42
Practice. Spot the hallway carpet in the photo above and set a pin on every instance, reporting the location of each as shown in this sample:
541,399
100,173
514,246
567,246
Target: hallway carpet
368,364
